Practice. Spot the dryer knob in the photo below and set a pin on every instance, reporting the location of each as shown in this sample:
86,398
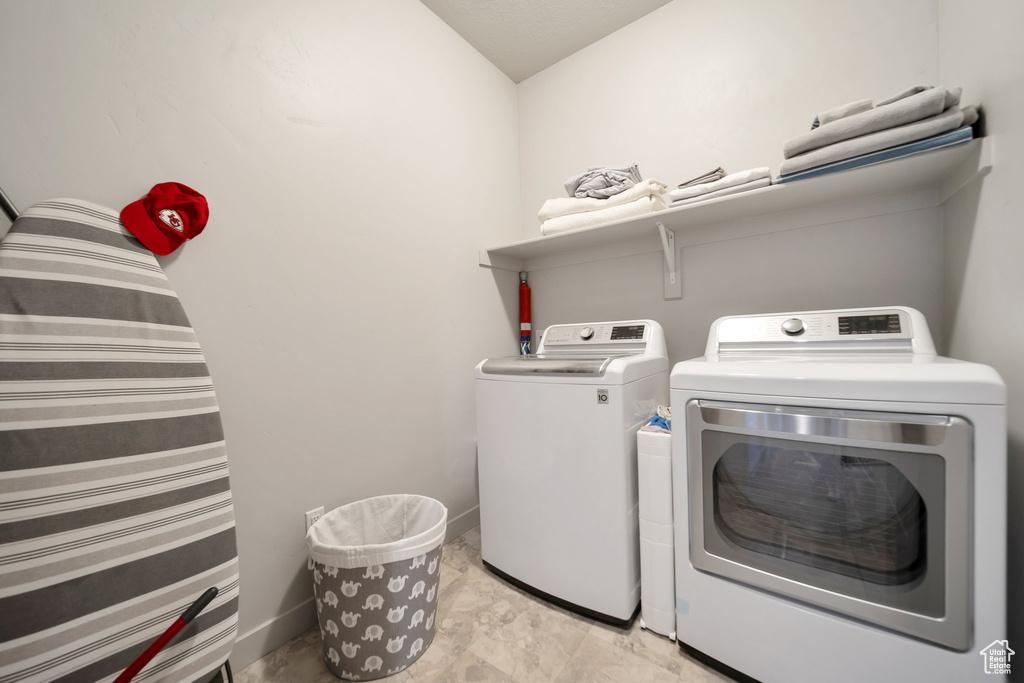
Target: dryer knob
794,327
586,333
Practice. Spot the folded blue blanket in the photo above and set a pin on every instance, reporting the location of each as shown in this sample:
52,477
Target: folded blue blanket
953,137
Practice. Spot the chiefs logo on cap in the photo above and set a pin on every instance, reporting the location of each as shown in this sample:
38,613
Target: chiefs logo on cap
172,219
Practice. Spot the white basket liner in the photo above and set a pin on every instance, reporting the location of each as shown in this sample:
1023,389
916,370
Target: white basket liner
377,531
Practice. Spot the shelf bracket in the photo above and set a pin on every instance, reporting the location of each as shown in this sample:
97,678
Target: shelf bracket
668,243
673,279
501,261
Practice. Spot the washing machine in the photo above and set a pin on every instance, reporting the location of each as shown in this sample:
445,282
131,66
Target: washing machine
840,501
556,435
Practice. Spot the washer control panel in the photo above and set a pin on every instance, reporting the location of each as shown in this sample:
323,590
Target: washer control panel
884,323
596,333
840,326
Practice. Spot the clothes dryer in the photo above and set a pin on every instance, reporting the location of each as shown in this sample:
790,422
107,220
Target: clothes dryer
840,500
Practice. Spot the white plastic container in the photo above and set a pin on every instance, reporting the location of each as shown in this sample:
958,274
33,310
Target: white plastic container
657,556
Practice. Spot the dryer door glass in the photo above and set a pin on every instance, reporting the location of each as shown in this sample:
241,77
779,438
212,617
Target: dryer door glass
844,519
857,517
848,512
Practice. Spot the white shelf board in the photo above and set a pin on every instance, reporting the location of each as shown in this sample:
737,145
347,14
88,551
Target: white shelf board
944,171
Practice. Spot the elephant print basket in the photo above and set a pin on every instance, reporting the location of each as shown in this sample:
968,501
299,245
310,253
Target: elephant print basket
376,568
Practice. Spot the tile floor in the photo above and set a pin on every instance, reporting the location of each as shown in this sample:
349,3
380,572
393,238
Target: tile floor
489,630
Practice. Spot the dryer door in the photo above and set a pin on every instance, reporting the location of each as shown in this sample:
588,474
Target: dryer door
861,513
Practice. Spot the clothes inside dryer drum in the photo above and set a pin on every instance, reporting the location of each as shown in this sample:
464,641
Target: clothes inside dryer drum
116,510
854,516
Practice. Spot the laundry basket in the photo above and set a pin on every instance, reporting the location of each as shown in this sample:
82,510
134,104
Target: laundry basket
376,566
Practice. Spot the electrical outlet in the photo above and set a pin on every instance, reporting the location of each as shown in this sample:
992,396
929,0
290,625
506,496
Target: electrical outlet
313,515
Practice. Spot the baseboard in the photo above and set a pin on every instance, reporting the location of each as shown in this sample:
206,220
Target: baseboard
278,630
273,632
463,523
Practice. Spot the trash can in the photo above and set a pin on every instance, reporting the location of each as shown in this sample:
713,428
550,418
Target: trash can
376,566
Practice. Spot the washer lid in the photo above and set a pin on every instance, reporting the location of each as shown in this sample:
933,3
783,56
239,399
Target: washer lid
897,377
606,370
587,353
547,365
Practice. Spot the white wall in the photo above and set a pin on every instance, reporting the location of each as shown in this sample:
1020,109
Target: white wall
846,264
981,48
355,154
695,85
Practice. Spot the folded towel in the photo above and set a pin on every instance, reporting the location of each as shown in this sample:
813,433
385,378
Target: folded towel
950,139
883,139
912,90
730,180
575,221
736,189
708,177
907,110
601,182
562,206
842,112
655,428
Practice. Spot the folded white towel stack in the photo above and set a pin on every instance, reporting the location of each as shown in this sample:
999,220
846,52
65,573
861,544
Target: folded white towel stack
618,212
561,206
735,189
729,181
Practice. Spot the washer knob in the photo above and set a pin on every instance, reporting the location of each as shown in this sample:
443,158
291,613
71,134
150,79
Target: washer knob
794,327
586,333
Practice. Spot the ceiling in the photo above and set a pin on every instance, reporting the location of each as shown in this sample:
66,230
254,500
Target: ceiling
522,37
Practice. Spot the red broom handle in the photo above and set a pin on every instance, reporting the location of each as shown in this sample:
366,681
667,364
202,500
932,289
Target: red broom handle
166,637
525,327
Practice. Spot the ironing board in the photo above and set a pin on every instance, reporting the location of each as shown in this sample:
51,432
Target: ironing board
115,508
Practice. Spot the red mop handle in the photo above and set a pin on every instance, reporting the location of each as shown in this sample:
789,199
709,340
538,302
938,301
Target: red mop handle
166,637
525,328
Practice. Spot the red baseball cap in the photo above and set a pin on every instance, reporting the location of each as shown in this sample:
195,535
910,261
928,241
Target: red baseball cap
170,214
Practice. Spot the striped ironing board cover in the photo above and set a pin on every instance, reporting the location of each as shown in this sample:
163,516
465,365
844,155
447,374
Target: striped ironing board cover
115,509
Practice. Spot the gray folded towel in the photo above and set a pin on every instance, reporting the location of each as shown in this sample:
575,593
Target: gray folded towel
912,90
841,112
952,95
907,110
601,182
710,176
884,139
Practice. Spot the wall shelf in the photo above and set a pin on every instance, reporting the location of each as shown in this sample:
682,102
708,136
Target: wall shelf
914,182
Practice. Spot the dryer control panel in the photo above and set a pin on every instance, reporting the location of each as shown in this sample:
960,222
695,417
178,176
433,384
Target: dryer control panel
884,329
